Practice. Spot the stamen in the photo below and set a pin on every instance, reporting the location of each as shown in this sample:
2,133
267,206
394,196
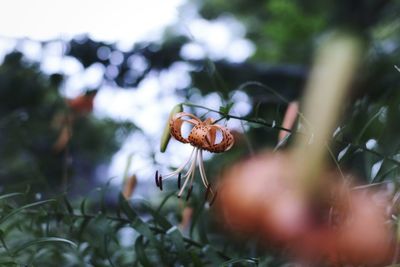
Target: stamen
192,165
201,168
156,178
207,192
160,182
189,173
189,192
182,166
179,180
212,200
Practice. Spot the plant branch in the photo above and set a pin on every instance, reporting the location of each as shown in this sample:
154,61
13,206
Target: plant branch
280,128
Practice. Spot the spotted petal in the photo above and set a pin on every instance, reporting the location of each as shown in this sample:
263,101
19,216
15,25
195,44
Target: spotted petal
203,134
176,123
225,144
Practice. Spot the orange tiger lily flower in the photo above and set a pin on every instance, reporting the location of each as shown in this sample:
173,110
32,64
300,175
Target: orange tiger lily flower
203,136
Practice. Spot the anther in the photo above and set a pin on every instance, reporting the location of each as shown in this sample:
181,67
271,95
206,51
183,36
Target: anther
208,191
189,193
156,178
160,182
212,200
179,180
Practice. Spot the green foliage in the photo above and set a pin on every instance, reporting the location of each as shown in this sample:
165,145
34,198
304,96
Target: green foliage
282,30
55,233
289,32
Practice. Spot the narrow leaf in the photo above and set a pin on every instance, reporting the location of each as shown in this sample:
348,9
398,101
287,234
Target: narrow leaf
10,195
3,219
177,239
68,205
141,253
43,240
158,218
240,260
126,208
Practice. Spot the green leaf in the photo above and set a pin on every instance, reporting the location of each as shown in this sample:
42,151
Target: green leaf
198,213
226,109
343,153
177,239
3,219
106,244
368,124
212,255
82,206
43,240
138,224
83,225
240,260
10,195
166,198
381,177
68,205
202,230
196,261
158,218
144,229
126,208
141,253
103,192
3,242
8,263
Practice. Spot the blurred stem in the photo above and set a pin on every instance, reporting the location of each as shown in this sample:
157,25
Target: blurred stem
335,65
68,127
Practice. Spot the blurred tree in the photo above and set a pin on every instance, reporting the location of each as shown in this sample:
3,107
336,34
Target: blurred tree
32,117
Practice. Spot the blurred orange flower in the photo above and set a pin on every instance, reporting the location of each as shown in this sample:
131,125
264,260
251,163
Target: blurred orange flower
336,225
129,186
289,119
82,104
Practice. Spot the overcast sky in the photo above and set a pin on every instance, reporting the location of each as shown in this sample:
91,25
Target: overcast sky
124,20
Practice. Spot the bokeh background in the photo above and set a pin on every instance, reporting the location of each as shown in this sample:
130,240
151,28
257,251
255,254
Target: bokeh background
86,88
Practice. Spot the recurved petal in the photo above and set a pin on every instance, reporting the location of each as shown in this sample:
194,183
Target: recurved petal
176,123
211,136
225,144
176,126
193,119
